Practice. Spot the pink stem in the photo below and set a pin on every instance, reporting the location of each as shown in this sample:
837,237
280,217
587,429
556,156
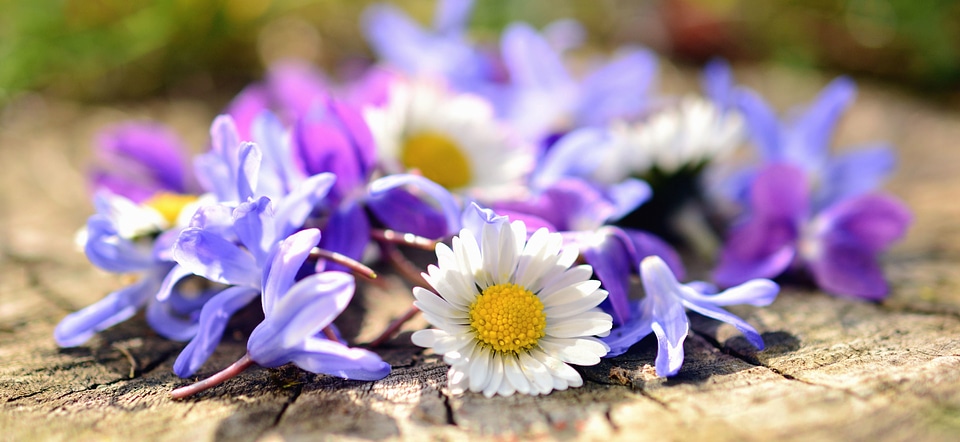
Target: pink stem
394,327
233,370
328,332
344,260
404,267
404,239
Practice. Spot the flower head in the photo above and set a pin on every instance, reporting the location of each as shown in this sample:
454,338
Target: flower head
804,140
451,138
511,313
662,312
839,244
296,311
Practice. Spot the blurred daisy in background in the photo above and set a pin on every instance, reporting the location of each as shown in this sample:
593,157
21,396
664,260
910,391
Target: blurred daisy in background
453,139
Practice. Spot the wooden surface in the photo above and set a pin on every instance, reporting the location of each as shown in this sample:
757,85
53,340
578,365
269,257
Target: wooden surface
834,369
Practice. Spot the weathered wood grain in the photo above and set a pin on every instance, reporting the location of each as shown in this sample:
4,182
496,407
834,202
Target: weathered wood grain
834,369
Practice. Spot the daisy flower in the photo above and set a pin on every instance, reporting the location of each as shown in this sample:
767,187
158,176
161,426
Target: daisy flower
685,136
511,313
453,139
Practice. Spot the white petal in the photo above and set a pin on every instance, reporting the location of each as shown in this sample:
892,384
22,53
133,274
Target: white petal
512,372
571,293
456,380
496,376
527,268
427,338
489,251
449,284
508,253
480,369
569,277
579,351
558,369
577,306
568,256
430,303
537,373
587,324
452,343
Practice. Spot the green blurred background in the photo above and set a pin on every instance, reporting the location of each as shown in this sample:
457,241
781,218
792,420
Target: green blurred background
108,50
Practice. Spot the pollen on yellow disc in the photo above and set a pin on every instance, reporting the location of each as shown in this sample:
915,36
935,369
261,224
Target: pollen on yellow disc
508,317
169,204
438,158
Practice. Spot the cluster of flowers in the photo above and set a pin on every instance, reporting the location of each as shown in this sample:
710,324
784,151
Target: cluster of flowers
527,181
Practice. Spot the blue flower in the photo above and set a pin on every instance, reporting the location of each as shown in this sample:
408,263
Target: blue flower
663,312
440,51
544,93
296,311
803,141
839,244
126,237
138,160
236,251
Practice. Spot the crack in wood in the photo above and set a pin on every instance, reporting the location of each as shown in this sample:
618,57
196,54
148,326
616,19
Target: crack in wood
757,363
35,282
450,417
917,310
296,390
608,414
153,364
28,395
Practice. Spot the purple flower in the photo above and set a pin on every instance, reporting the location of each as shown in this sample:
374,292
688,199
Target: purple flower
138,160
839,244
442,51
289,90
803,141
296,311
236,251
119,238
296,314
545,94
663,312
333,137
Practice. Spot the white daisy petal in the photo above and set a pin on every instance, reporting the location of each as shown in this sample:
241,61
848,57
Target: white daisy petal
558,369
586,324
456,380
450,286
428,337
451,343
571,293
496,376
480,369
571,276
513,373
436,305
537,373
490,241
576,306
512,313
579,351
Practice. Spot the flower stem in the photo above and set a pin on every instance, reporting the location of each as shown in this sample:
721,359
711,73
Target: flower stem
344,260
404,267
328,332
212,381
404,239
394,327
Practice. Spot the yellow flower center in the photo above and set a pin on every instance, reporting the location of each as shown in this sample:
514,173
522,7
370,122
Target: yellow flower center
508,318
438,158
169,204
